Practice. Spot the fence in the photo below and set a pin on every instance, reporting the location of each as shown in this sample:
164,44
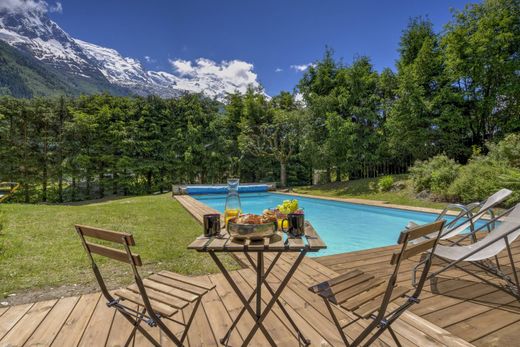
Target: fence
381,168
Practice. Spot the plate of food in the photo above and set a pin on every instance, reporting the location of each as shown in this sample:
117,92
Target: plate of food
252,226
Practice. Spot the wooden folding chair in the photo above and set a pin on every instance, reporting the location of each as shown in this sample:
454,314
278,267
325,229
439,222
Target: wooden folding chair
368,296
158,297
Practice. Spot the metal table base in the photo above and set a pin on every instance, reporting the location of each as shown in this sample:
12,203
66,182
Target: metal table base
258,314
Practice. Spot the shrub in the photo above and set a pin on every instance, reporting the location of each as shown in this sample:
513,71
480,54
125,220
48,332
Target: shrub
482,177
435,174
507,150
385,183
511,180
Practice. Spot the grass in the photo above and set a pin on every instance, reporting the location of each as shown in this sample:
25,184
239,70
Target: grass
367,189
39,247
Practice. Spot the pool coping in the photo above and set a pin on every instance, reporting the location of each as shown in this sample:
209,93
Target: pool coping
376,203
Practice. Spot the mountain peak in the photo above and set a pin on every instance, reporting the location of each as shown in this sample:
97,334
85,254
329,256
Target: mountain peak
31,30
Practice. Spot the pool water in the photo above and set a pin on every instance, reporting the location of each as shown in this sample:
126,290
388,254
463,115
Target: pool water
345,227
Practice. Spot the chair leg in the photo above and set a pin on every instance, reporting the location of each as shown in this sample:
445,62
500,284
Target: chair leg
190,320
336,322
394,336
138,326
169,333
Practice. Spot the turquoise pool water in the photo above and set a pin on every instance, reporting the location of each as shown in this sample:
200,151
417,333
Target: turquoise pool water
344,227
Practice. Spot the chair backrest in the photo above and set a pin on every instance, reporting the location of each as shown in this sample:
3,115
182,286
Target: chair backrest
410,249
495,199
112,236
495,242
460,224
116,237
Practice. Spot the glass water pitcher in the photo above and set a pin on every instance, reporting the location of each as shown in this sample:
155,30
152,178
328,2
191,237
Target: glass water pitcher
233,207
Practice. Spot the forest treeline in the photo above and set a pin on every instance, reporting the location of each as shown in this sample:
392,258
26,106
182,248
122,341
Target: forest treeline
453,92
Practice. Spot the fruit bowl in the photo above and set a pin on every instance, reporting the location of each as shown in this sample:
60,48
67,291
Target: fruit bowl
250,231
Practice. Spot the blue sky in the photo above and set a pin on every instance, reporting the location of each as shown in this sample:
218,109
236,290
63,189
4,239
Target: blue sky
271,35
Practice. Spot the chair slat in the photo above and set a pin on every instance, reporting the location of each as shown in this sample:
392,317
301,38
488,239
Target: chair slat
351,292
161,287
367,309
343,277
176,284
185,286
156,295
332,291
359,300
107,235
420,231
113,253
159,307
412,251
187,280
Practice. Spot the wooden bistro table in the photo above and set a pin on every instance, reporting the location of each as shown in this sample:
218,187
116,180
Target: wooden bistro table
310,242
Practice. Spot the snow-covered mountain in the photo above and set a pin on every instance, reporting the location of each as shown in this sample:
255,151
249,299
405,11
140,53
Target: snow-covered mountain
33,32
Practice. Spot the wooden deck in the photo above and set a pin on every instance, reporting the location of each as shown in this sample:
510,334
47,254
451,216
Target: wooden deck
456,302
87,321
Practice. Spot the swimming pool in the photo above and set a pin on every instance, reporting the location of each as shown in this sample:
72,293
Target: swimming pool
345,227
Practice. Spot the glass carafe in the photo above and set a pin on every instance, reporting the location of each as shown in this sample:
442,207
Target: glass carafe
233,207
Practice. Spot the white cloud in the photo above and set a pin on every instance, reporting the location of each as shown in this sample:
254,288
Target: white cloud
234,75
19,6
149,59
301,67
57,8
278,69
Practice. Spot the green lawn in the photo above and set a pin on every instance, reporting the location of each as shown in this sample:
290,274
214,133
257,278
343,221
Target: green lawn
367,189
39,246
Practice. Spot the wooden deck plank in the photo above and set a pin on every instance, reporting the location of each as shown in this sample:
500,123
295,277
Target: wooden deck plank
294,308
25,327
218,317
72,331
9,319
280,335
119,330
3,310
200,333
49,328
96,333
233,306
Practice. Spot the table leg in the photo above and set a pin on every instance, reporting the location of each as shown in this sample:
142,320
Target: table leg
258,322
281,306
274,299
237,319
259,277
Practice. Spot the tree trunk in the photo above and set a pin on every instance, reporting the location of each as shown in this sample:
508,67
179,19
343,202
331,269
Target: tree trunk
328,175
101,185
88,186
60,187
283,174
338,174
115,188
149,182
44,183
73,197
